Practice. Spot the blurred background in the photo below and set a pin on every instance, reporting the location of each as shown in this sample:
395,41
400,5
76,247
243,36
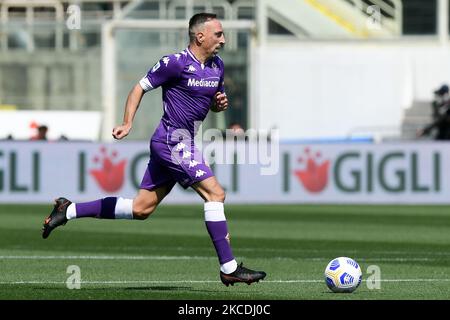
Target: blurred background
360,73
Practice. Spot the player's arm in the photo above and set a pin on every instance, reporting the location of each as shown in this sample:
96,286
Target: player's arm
155,77
219,102
165,70
131,106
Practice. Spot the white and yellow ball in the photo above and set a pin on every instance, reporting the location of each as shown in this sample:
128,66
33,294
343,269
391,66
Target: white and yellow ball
343,274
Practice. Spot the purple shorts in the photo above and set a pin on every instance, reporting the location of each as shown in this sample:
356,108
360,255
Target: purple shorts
172,162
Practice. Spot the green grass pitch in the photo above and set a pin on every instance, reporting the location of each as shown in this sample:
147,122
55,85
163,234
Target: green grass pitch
169,256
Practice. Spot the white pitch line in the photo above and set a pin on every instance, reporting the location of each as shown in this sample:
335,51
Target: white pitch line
362,259
104,257
208,281
83,257
350,252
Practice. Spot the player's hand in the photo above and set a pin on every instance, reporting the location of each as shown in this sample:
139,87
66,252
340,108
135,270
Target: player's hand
121,131
220,102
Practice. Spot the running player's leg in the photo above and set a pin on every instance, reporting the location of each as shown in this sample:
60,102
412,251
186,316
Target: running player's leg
214,195
146,201
188,168
156,184
138,208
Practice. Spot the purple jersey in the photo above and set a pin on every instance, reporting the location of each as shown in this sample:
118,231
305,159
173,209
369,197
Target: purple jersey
188,88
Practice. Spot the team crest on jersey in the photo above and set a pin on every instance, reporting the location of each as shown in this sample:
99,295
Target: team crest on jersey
191,68
156,67
214,66
166,60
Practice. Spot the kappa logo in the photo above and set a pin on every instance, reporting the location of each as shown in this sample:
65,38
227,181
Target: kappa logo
110,176
186,154
227,237
199,173
191,68
177,55
180,146
193,163
166,60
315,176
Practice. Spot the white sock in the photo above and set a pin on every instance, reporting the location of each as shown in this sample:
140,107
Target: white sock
124,209
228,267
71,212
214,211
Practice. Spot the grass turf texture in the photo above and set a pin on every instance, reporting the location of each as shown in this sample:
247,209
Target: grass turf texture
170,255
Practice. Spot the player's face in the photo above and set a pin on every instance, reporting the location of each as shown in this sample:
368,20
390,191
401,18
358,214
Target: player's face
214,37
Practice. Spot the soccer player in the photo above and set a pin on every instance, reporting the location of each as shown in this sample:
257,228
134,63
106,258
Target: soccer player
192,83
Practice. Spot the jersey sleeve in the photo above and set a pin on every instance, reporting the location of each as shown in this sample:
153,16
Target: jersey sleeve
164,71
221,87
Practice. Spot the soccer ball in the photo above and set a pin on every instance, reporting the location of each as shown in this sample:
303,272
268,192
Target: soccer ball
343,275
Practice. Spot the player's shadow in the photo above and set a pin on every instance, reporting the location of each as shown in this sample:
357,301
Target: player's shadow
165,288
139,288
159,288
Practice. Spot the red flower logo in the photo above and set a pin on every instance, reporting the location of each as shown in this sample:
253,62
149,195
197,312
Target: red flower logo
315,177
111,176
